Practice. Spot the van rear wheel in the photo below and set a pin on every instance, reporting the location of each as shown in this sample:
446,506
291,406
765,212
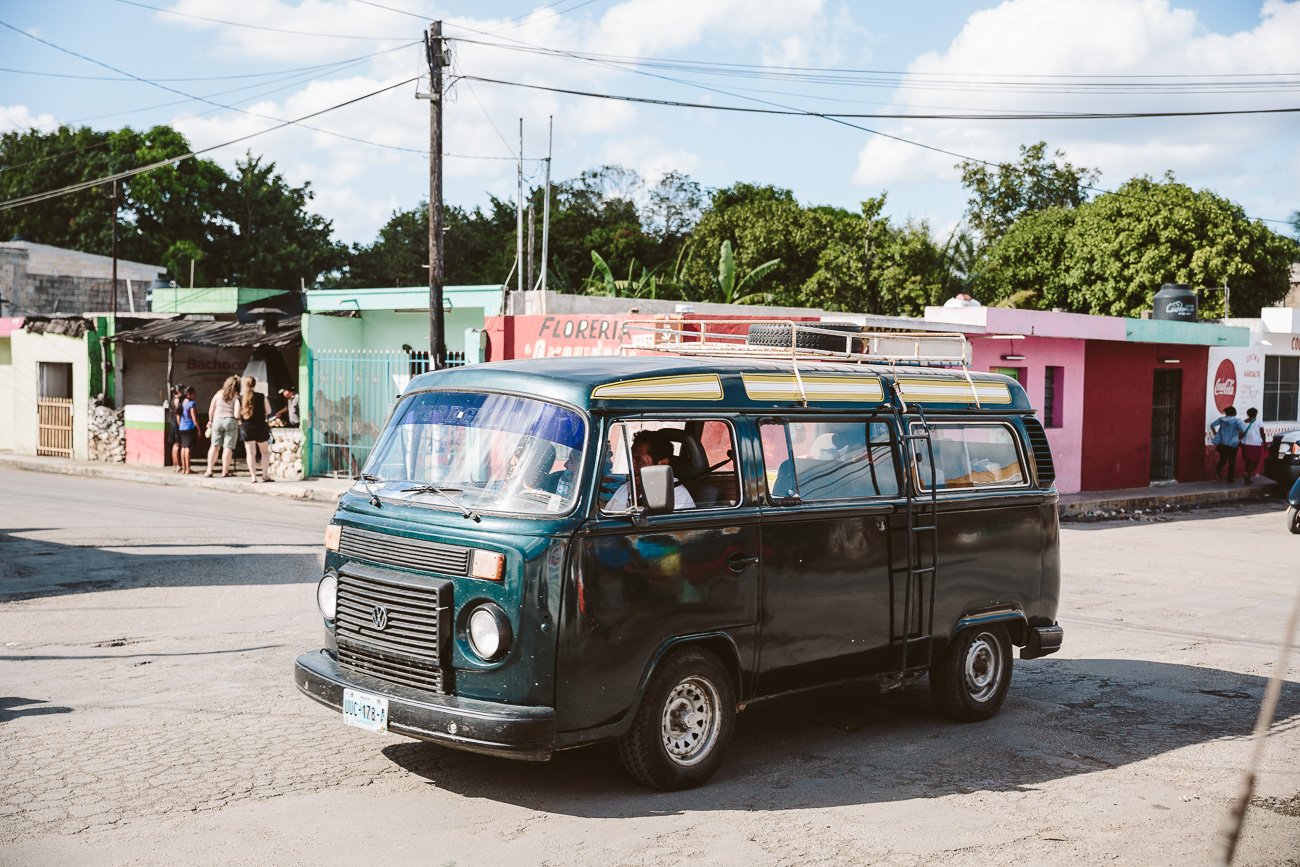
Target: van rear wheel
971,679
684,724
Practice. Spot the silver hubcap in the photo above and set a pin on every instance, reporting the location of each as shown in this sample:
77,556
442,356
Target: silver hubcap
690,721
983,667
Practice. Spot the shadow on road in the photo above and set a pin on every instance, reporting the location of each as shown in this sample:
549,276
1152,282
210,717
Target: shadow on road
35,568
843,745
12,707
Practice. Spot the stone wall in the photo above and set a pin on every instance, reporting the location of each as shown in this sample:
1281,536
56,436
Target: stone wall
286,453
107,435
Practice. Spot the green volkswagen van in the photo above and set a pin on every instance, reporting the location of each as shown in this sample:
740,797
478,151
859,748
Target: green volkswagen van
549,553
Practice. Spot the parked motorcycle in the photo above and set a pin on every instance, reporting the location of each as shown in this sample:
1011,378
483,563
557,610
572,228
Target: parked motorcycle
1293,508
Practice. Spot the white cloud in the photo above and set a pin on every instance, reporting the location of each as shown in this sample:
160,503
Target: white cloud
19,118
1097,38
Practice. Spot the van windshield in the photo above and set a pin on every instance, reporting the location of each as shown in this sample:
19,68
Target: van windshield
487,452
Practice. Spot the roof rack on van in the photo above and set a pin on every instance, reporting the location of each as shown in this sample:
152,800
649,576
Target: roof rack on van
796,341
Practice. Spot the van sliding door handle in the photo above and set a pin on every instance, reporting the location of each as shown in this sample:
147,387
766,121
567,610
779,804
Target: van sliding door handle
741,562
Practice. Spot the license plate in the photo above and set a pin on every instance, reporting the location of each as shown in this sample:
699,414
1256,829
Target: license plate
365,711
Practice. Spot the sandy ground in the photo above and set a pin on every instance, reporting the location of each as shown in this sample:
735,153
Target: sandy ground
148,716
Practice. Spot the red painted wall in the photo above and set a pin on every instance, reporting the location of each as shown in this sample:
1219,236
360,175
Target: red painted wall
1117,413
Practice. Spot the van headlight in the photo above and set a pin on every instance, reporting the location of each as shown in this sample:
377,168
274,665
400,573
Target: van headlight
488,631
327,595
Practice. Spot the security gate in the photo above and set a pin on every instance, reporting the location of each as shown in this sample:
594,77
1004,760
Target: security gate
1165,393
353,391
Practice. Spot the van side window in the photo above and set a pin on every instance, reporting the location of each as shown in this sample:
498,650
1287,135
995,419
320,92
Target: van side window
828,460
969,456
701,453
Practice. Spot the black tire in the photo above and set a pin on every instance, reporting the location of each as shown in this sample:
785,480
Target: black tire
684,724
1293,519
778,334
971,679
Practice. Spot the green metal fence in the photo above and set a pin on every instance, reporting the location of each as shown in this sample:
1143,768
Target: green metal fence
353,391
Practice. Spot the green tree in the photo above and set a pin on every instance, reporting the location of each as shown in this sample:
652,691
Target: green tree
1111,255
762,223
1026,266
1125,244
730,288
155,210
275,242
1000,196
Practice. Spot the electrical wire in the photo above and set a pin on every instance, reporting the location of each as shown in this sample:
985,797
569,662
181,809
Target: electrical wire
257,26
34,198
556,14
191,96
833,119
890,116
291,71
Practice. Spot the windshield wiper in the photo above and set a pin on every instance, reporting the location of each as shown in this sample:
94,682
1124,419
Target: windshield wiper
429,488
366,479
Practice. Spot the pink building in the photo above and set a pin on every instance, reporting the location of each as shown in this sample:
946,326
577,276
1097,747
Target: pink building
1122,399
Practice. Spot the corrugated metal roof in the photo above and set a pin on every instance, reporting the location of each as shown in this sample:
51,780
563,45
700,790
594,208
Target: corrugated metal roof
209,333
69,326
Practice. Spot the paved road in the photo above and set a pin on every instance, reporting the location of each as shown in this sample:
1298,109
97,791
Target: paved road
148,716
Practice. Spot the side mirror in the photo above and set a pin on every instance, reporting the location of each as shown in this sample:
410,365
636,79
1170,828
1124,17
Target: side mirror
657,488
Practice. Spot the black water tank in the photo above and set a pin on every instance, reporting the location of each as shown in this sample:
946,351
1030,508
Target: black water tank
1175,301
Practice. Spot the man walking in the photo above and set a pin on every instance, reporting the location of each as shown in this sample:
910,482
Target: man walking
1226,431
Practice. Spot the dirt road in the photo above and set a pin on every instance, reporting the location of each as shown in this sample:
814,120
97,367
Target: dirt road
148,716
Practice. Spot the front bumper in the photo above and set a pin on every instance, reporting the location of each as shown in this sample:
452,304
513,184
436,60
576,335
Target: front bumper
511,731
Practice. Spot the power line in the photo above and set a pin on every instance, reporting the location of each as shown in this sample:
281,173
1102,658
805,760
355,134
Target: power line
256,26
191,96
122,175
1156,83
291,71
884,115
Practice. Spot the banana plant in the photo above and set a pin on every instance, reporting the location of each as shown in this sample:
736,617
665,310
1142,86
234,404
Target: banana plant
730,289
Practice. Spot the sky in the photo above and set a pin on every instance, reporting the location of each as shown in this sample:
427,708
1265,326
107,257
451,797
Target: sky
254,64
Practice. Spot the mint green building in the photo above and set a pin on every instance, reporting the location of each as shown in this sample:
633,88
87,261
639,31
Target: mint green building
360,347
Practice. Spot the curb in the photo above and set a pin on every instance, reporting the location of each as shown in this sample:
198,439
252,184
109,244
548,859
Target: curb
1174,500
306,491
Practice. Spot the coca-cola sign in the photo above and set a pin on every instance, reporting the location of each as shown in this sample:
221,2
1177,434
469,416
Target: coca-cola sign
1225,384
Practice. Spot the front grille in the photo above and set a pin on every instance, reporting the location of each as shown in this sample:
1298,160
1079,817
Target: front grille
403,553
410,647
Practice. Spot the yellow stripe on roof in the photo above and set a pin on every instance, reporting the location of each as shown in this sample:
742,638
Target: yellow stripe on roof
784,386
953,390
701,386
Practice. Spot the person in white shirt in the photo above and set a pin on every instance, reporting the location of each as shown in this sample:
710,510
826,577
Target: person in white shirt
649,447
1252,445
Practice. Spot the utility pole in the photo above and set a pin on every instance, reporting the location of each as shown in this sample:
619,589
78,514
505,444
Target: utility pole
435,53
546,206
519,221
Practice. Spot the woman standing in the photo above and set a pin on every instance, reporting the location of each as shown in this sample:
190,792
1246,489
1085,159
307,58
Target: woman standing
187,429
1252,446
253,429
222,414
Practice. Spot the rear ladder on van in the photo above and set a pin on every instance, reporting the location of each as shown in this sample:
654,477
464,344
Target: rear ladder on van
912,649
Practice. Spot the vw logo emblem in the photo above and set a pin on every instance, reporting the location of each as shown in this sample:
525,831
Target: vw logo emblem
379,617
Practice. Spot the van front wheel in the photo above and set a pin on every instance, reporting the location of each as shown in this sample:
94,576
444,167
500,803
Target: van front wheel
971,679
1293,519
684,723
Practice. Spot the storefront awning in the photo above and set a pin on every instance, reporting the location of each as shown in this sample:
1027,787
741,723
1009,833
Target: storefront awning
228,335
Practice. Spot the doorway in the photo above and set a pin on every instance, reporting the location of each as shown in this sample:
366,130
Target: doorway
54,410
1166,395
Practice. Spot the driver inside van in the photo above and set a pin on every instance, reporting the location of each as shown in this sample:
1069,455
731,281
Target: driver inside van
650,447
